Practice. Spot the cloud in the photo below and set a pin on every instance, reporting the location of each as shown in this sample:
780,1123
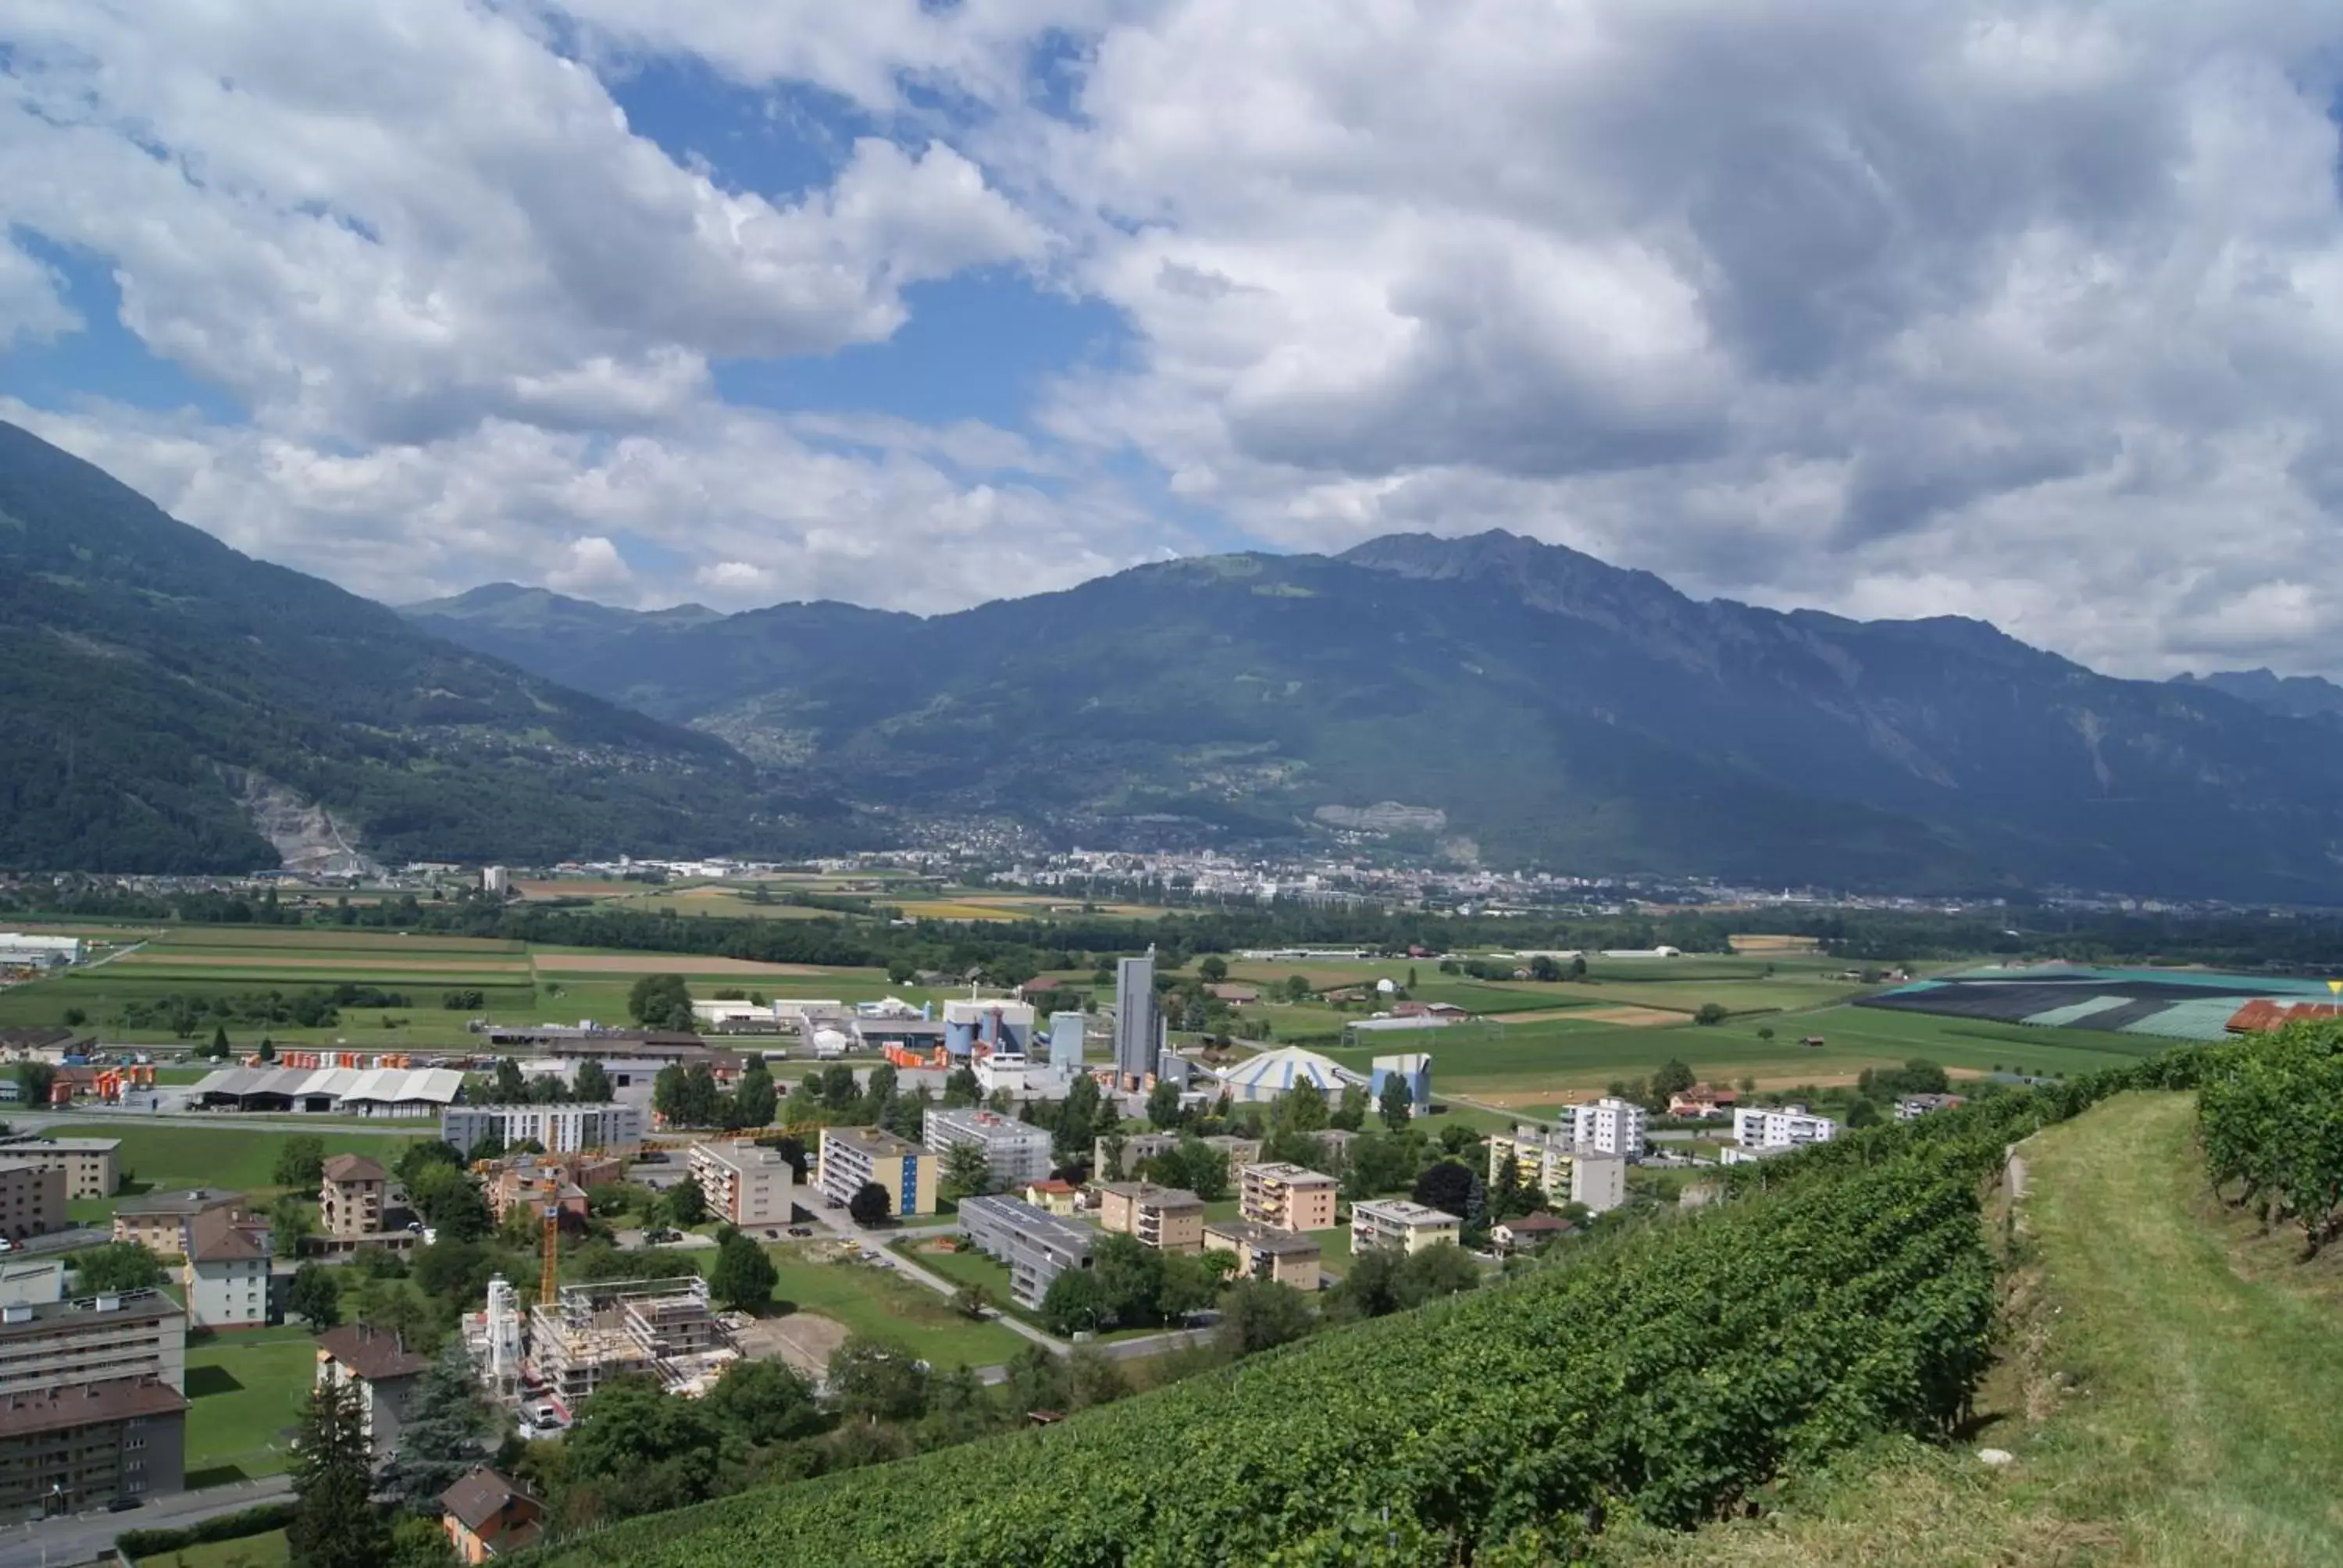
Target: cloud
591,566
32,300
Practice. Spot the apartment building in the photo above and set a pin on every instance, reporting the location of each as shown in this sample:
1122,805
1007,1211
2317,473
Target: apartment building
1138,1147
32,1201
132,1336
91,1165
159,1221
387,1374
1396,1222
33,1282
745,1182
851,1156
1036,1245
1266,1253
227,1274
1563,1171
1597,1182
1609,1126
352,1197
557,1129
66,1450
1015,1151
1166,1218
1287,1197
1782,1127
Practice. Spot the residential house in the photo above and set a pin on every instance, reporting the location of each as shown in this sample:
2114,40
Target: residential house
1397,1222
1287,1197
1165,1218
227,1274
91,1164
387,1374
1786,1127
1266,1253
158,1220
1037,1245
68,1450
32,1201
353,1198
1062,1198
1703,1103
1913,1107
486,1514
1528,1230
745,1182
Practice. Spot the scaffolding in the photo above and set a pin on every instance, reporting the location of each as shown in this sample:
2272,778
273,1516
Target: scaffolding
664,1329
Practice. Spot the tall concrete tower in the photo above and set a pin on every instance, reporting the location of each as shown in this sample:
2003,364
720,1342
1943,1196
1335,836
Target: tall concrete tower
1138,1026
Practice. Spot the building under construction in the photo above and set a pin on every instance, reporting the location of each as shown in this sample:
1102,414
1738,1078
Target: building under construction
664,1329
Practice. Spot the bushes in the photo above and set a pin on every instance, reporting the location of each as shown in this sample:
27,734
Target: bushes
136,1544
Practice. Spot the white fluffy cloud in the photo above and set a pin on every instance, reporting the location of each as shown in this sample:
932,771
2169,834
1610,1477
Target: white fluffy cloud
2024,308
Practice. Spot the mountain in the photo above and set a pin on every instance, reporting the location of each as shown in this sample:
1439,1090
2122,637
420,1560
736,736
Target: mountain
2294,696
1498,696
178,707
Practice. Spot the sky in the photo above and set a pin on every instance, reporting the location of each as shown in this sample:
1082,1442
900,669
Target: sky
2031,311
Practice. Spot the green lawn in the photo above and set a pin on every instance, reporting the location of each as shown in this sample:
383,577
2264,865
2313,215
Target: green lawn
871,1300
235,1156
245,1390
2169,1391
269,1551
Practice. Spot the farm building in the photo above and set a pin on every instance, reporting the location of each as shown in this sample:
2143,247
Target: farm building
331,1091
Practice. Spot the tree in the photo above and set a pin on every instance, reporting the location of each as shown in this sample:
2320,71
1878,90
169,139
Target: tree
219,1039
1578,967
1072,1139
1076,1302
1297,987
1397,1106
1262,1314
1863,1113
879,1094
268,1049
545,1089
1092,1378
1163,1106
1711,1012
869,1205
966,1173
1037,1381
1197,1166
962,1088
687,1205
1443,1269
1213,969
32,1081
643,1451
764,1402
1131,1274
443,1436
1352,1113
419,1156
1300,1108
449,1203
289,1220
312,1297
1671,1078
668,1094
1380,1162
743,1277
1373,1288
301,1162
1764,1031
592,1082
507,1087
878,1380
335,1523
115,1266
900,971
661,1001
1543,968
1447,1186
971,1301
75,1017
755,1100
1189,1283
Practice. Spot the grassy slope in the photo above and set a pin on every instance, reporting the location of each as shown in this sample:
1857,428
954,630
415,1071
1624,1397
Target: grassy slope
245,1389
2200,1425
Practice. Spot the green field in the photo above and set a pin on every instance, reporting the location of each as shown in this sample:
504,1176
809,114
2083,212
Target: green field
245,1390
876,1301
2169,1391
235,1156
268,1551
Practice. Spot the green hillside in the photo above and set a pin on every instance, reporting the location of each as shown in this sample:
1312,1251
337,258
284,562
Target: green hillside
162,682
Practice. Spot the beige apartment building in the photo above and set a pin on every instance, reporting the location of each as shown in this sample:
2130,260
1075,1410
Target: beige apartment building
32,1201
159,1220
1169,1219
1287,1197
745,1182
1266,1253
351,1199
91,1165
1396,1222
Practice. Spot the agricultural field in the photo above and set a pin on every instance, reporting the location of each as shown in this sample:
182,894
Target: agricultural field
244,1391
870,1299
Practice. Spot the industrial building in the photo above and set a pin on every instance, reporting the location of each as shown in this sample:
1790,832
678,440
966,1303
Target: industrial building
1015,1151
1269,1076
21,949
1069,1035
1266,1253
91,1165
1412,1069
745,1182
32,1201
1139,1023
1397,1222
664,1329
558,1129
1036,1245
852,1157
397,1091
1167,1218
1287,1197
994,1024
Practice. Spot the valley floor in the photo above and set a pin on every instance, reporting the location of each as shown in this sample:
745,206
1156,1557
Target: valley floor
2169,1390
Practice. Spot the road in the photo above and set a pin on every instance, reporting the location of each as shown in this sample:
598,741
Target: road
83,1537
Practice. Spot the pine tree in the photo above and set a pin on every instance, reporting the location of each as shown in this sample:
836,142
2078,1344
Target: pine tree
440,1441
334,1523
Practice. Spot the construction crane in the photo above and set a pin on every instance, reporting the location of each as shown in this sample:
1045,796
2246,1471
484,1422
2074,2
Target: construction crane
549,1280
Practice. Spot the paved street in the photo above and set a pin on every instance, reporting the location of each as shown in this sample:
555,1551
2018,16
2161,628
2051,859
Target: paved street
83,1537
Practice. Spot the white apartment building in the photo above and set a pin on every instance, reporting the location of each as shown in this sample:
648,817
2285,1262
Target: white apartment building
1609,1126
227,1272
744,1182
560,1129
1396,1222
1015,1151
1782,1127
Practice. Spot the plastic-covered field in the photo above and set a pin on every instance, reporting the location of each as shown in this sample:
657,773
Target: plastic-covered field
2205,1017
2074,1012
2170,1004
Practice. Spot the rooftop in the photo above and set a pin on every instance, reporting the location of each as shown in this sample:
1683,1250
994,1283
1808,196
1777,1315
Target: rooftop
184,1204
1149,1193
117,1399
127,1306
354,1168
1403,1212
477,1498
740,1154
62,1145
1261,1238
372,1353
1016,1214
1291,1175
876,1140
215,1236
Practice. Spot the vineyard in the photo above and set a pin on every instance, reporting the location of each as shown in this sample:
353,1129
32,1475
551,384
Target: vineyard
1669,1373
2269,1117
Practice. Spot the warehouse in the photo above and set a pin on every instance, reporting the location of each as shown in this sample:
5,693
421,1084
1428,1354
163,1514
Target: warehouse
396,1091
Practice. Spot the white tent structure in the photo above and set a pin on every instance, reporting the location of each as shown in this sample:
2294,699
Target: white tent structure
332,1091
1273,1072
